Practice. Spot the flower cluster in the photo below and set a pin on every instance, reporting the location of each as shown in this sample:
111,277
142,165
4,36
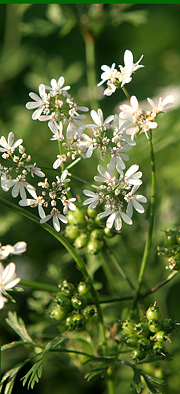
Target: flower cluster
15,175
112,137
118,78
143,121
51,195
8,278
114,192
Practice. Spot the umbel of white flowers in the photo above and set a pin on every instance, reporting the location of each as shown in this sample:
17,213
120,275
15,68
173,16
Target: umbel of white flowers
8,278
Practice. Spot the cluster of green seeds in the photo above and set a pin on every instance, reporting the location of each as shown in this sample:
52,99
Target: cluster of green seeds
70,305
148,336
87,230
171,249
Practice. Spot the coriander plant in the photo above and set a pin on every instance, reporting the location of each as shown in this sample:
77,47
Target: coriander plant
89,223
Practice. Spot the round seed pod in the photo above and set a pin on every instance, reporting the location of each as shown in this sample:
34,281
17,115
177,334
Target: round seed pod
94,246
78,302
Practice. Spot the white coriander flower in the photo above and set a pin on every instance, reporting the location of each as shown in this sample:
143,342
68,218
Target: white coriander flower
129,67
85,144
129,110
132,131
99,119
68,204
57,86
133,201
18,248
118,157
35,170
62,179
94,199
9,146
58,162
57,130
163,105
75,126
40,102
132,175
4,183
115,217
56,217
106,175
107,74
110,89
34,202
19,186
7,280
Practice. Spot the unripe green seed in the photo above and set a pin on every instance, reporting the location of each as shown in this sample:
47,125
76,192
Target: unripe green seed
158,348
70,323
81,241
58,313
94,246
63,301
67,288
92,213
131,340
78,302
97,233
153,312
161,336
154,325
144,344
128,327
109,233
77,217
79,320
72,231
142,330
83,288
100,222
88,312
138,354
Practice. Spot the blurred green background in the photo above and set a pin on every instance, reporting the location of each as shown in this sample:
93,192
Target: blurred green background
40,42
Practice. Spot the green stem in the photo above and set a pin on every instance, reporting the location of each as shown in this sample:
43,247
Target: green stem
73,163
79,261
151,222
125,92
90,65
119,268
110,380
39,286
107,271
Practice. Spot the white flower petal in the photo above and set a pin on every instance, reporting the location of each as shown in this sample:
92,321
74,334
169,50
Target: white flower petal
56,223
20,247
126,218
8,272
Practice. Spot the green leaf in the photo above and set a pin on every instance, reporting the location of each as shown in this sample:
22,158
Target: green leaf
10,376
11,345
137,383
56,343
34,374
151,386
102,371
7,295
17,324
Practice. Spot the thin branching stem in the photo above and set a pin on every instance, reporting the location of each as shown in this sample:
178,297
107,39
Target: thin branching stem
118,267
151,222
